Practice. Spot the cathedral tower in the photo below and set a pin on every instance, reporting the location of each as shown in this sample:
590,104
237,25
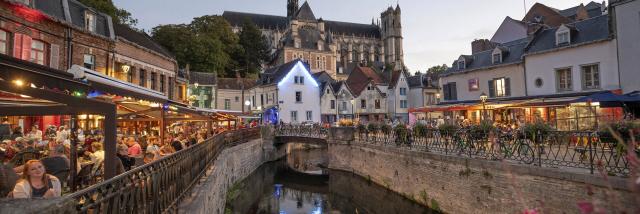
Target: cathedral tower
292,7
392,35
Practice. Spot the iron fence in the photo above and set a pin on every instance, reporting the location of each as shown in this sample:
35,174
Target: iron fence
157,187
574,150
311,131
557,149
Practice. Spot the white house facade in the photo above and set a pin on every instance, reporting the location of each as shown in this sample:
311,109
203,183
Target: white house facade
626,14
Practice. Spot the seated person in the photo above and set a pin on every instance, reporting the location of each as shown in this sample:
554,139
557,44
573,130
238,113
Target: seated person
56,161
123,155
8,176
36,183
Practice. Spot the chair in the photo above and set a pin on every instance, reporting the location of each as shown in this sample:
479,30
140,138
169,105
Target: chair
22,158
84,175
63,176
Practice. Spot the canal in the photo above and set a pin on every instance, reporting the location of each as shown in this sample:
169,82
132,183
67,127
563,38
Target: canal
301,183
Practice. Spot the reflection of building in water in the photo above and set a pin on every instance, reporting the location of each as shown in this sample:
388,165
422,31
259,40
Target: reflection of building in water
286,200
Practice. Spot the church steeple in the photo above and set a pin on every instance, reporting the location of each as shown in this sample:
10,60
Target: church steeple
292,7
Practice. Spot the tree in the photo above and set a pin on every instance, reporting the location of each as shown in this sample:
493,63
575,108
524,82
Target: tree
120,16
438,69
254,49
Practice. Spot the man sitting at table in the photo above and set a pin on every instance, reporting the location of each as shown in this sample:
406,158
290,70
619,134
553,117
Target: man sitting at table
56,162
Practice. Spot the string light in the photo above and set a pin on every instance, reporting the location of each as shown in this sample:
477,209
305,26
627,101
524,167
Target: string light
18,82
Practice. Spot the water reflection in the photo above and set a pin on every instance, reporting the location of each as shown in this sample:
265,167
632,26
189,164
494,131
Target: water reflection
300,184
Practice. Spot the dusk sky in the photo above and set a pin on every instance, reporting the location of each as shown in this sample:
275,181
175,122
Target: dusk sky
435,32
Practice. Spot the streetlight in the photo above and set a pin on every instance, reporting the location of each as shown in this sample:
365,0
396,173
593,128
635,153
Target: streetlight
483,99
196,85
353,110
437,98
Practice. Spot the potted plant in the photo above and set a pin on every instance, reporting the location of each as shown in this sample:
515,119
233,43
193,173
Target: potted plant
385,129
401,134
536,131
481,131
447,130
623,129
419,130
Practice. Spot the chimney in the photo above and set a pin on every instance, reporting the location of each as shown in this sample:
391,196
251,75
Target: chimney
480,45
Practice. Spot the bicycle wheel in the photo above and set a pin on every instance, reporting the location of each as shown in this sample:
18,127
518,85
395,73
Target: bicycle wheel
526,154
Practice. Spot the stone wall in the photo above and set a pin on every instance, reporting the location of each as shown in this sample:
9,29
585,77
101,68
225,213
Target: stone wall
460,185
232,165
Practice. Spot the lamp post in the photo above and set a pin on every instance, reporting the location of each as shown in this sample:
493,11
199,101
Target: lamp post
353,110
483,99
437,98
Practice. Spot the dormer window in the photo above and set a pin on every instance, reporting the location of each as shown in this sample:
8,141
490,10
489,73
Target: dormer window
461,65
90,21
563,35
497,58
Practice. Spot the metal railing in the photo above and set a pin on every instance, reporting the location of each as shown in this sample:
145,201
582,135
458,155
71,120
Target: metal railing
159,186
571,151
577,151
310,131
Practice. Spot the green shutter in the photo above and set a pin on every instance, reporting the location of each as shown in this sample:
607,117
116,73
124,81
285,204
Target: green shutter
492,89
507,87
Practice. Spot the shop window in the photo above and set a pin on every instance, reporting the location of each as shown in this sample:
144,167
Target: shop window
590,76
90,61
563,79
4,44
38,52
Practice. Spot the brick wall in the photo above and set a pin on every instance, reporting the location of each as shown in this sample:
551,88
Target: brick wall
458,185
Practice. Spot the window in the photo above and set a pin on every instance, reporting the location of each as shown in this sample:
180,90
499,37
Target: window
363,104
162,88
38,52
344,106
90,21
474,84
298,80
153,81
4,37
294,116
403,104
450,91
261,99
403,91
461,64
90,61
171,86
318,61
562,38
227,104
298,96
500,87
497,58
253,101
369,88
377,104
309,116
143,80
563,78
590,76
538,83
327,91
333,104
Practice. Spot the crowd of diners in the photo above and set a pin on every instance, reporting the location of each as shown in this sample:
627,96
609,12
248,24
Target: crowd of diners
36,164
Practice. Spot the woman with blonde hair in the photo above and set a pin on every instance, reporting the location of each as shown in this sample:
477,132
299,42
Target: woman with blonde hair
36,183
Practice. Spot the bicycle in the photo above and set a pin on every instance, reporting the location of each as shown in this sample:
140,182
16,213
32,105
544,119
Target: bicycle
510,147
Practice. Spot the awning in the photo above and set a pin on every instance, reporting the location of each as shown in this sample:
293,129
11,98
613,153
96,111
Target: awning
106,84
556,101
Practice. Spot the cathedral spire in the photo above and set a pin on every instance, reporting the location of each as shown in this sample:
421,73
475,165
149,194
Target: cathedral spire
292,7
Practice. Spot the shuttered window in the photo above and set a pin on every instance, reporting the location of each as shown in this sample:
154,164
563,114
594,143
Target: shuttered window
500,87
4,44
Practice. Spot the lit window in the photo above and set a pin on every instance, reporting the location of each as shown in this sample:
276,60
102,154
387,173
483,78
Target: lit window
562,38
3,41
591,76
90,61
563,77
500,87
309,116
90,21
37,52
